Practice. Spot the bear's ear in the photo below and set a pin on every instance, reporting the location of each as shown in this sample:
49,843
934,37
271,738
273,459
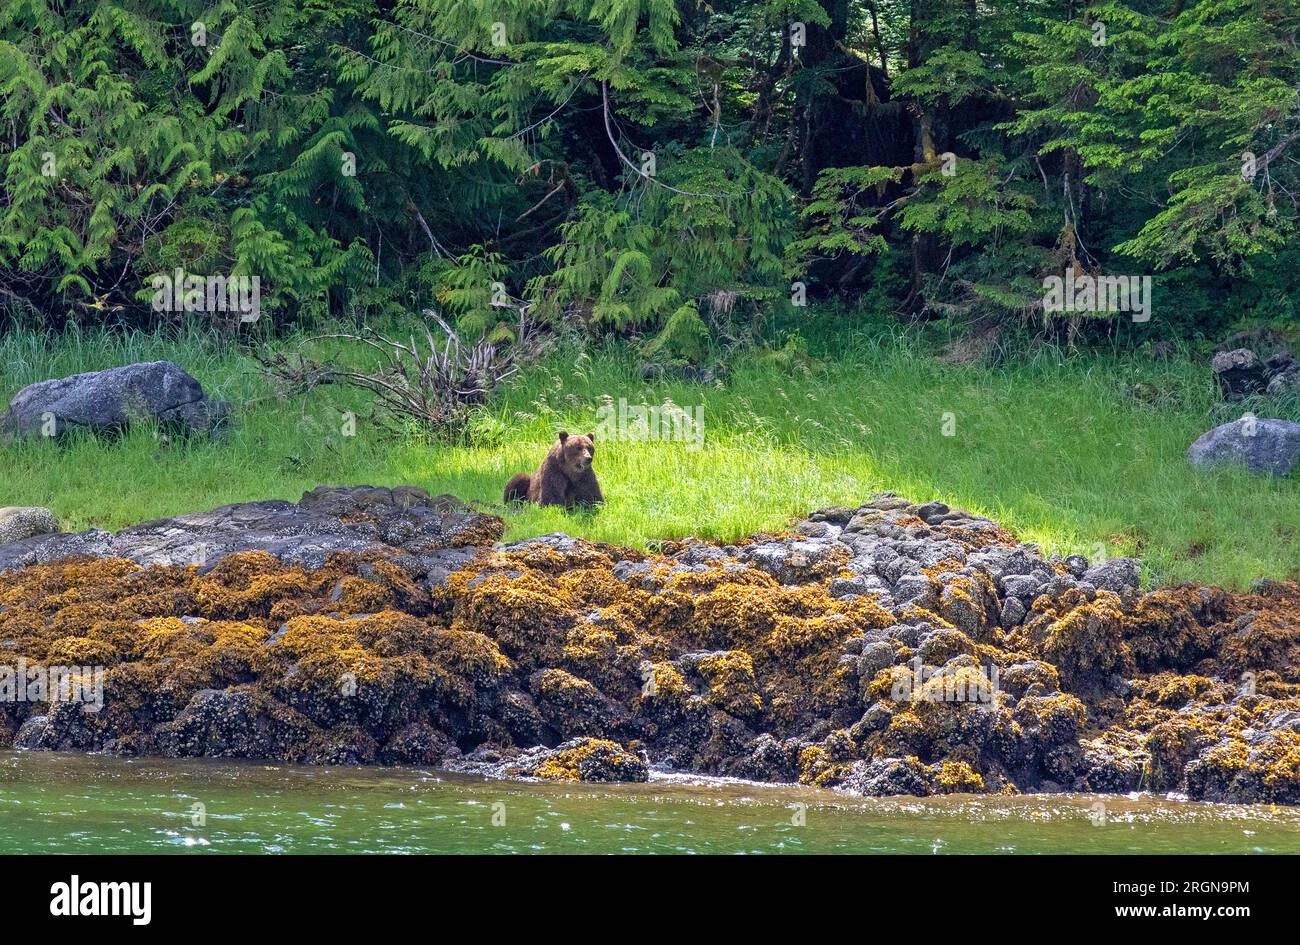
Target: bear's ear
564,435
592,437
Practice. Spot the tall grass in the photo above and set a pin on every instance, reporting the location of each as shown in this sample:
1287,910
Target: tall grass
1079,453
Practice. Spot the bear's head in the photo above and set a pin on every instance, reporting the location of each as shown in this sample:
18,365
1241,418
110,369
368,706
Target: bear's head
576,453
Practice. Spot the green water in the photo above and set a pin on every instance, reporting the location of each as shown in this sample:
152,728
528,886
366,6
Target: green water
57,803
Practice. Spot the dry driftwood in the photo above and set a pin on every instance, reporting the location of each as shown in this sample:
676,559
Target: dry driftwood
428,383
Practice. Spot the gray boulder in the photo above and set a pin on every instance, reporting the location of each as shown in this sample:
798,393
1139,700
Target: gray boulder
1285,383
1115,574
1077,564
818,529
1013,613
109,401
932,512
17,522
791,561
1024,586
1260,445
858,585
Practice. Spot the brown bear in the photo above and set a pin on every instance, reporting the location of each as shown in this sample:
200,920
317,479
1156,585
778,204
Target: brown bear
564,478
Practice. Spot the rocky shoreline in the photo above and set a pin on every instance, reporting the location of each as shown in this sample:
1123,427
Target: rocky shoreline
888,648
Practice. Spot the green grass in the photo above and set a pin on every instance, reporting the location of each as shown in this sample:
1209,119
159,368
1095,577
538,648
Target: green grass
1057,448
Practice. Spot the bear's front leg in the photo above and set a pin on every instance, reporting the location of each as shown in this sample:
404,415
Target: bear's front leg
553,490
586,490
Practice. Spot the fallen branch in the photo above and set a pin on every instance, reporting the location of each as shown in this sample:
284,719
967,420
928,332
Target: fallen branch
427,383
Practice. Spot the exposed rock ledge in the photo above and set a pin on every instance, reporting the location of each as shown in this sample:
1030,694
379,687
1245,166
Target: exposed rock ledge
888,648
425,535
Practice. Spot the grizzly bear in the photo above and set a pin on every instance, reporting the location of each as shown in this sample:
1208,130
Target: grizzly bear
564,478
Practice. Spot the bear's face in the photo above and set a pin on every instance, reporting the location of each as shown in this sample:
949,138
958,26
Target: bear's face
576,454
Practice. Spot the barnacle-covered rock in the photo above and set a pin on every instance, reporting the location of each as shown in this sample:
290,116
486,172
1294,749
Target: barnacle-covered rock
240,722
572,705
583,759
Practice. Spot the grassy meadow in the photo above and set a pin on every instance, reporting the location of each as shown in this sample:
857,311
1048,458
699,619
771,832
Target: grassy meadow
1076,452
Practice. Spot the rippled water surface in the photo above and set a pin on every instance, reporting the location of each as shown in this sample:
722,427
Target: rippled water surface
56,803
